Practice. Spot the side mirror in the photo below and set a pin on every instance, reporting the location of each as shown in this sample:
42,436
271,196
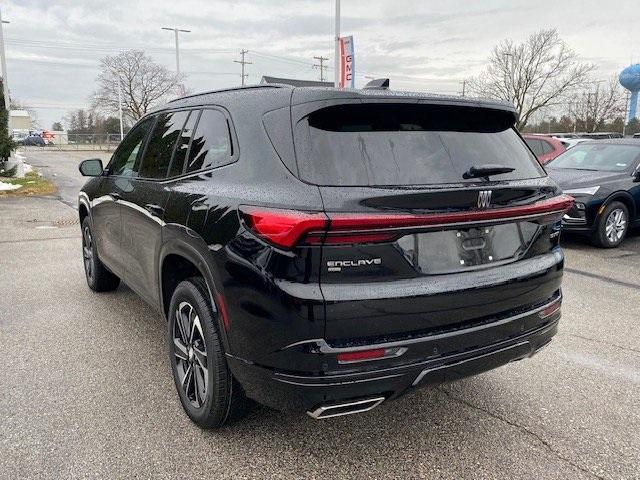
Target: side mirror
636,176
91,167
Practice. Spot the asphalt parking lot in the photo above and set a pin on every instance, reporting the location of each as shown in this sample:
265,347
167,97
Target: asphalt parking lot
87,389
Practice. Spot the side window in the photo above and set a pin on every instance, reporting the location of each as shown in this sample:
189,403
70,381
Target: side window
157,155
126,160
534,143
546,147
211,146
177,164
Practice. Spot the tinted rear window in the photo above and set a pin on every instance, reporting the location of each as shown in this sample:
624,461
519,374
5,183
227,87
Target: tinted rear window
157,156
211,143
400,144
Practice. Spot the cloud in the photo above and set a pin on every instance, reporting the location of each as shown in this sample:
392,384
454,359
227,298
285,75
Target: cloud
54,47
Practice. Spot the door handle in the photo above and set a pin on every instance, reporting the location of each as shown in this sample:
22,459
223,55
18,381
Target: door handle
154,209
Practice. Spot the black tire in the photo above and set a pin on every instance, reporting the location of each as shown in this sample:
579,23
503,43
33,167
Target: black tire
211,397
613,226
98,277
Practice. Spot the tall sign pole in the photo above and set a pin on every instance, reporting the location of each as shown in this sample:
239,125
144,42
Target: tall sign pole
337,46
5,82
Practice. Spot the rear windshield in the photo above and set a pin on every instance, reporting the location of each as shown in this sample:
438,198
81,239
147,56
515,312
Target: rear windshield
400,144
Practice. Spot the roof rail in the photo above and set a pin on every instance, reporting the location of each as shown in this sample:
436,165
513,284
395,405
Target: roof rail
232,89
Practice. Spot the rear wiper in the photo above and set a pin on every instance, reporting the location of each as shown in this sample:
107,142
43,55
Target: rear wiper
485,171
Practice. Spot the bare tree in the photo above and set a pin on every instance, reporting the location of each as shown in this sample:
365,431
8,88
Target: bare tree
144,84
593,108
537,74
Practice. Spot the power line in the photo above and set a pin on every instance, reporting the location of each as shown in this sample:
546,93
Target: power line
322,66
109,48
243,63
103,46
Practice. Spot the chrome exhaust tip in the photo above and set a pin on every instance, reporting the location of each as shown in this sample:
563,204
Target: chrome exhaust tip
347,408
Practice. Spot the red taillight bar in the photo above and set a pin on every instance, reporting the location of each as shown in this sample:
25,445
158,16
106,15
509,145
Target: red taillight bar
349,221
287,228
283,228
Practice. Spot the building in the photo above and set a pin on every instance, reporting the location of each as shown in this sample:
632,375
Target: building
19,120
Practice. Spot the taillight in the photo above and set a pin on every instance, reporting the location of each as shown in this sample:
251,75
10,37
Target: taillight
288,228
283,228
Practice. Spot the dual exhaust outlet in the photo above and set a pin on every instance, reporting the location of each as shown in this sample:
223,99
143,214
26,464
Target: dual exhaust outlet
346,408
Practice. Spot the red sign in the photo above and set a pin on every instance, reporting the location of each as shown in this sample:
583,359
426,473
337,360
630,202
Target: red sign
347,63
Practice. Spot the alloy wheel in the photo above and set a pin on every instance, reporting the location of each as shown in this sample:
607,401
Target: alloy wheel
190,350
616,225
87,251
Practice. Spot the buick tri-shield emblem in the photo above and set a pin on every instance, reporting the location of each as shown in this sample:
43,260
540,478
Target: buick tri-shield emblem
484,198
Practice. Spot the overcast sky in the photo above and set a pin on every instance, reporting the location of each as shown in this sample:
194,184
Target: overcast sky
53,47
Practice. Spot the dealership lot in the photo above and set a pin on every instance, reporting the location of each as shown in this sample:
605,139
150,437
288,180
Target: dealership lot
88,391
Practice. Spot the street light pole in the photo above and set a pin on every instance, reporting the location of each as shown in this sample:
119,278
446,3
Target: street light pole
337,46
624,117
5,82
175,31
120,108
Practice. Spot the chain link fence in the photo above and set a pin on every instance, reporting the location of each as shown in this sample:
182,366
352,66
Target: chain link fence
80,141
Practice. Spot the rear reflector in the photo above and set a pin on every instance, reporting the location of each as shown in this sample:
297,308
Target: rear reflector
222,307
366,355
288,228
361,355
550,310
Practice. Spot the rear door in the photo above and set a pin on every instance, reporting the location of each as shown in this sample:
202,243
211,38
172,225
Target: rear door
144,204
413,245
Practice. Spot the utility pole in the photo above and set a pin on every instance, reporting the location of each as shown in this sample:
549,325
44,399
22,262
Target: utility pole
464,87
243,63
322,66
336,61
5,82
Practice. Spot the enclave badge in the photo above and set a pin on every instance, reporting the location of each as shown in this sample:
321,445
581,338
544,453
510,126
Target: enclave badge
338,265
484,198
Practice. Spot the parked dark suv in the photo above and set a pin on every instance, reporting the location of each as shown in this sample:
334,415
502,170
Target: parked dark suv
325,250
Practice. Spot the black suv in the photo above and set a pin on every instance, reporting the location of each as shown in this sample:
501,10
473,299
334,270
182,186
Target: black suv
324,250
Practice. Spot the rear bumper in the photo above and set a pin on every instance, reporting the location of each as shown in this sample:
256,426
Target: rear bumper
496,344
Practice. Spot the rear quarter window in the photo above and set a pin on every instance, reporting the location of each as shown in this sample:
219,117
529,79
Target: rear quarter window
211,143
400,144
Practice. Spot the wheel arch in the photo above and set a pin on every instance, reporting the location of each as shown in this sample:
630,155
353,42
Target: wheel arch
178,261
623,197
